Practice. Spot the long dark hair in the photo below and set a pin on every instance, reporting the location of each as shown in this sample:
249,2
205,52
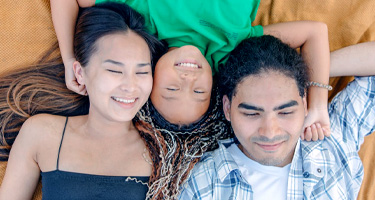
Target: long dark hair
41,89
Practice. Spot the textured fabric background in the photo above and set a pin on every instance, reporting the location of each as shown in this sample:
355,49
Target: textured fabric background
26,31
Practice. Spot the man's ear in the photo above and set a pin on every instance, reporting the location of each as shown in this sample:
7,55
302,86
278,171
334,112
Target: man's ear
79,73
304,101
226,107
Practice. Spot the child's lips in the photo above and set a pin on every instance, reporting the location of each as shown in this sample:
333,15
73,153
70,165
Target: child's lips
191,63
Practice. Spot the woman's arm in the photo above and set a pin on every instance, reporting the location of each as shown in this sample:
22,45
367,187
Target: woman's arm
312,37
354,60
22,173
64,16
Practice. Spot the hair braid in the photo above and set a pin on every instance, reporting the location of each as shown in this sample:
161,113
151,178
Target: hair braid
176,149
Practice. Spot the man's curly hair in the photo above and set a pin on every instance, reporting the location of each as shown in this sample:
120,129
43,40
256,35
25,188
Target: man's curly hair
256,55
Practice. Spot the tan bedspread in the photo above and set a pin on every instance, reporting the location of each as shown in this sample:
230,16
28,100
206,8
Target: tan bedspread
26,31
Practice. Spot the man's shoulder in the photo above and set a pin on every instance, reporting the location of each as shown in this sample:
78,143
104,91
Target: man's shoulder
217,163
209,173
211,158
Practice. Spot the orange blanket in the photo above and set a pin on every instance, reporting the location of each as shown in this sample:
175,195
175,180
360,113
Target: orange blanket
26,31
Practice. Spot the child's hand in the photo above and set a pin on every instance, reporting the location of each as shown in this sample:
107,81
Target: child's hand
70,79
317,125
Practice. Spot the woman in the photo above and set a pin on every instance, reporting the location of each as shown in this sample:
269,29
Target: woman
96,155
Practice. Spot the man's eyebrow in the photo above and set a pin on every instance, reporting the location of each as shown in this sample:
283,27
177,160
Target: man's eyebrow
252,107
249,107
286,105
122,64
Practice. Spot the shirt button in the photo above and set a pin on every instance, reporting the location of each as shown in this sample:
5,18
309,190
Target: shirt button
306,174
319,170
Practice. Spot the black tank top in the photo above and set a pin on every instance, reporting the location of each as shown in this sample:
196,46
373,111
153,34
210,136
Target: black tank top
59,184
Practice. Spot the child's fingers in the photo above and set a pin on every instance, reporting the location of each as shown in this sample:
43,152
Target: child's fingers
82,90
320,131
326,132
314,132
308,134
76,87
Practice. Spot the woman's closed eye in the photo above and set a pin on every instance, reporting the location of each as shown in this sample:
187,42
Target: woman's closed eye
142,73
114,71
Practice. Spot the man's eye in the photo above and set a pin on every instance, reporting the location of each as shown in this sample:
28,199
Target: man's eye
286,113
198,92
252,114
114,71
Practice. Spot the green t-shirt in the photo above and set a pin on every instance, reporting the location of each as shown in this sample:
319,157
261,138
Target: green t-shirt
216,27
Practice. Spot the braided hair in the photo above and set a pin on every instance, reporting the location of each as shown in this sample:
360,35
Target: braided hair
175,149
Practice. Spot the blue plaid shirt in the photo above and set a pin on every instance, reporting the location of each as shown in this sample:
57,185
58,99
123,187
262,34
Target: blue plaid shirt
326,169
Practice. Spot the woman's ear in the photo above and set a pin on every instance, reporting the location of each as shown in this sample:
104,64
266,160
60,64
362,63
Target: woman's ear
79,72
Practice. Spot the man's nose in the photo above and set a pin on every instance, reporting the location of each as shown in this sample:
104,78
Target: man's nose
270,127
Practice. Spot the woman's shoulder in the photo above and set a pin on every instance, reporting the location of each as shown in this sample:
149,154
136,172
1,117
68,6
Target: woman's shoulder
42,122
38,133
42,126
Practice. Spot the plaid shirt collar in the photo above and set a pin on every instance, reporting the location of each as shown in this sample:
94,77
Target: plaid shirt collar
315,165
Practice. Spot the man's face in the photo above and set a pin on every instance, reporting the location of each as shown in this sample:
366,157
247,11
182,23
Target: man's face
267,116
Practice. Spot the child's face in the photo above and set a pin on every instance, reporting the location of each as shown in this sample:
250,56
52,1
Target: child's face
182,85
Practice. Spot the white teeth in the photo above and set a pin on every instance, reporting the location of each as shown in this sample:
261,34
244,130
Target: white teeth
123,100
188,65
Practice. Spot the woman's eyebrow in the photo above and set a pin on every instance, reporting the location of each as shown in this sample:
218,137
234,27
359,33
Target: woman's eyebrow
143,64
114,62
122,64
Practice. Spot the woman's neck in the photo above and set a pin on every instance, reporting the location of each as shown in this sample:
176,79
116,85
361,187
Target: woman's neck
98,125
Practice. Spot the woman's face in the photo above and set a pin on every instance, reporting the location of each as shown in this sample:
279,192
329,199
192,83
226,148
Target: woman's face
118,77
182,85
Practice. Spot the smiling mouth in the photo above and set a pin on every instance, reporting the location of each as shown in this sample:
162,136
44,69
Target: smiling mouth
270,147
189,65
127,101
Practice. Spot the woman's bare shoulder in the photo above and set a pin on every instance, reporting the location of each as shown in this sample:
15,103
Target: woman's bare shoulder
38,133
42,126
42,122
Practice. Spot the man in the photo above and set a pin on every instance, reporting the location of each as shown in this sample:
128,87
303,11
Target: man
264,97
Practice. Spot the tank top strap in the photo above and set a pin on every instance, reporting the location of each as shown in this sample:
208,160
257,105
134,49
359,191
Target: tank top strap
62,138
